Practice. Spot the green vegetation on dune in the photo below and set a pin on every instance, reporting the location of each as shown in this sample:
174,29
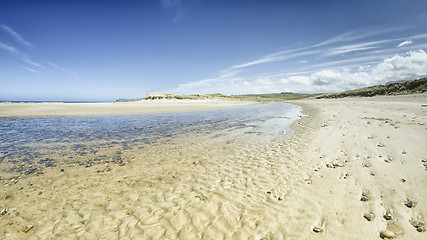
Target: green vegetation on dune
154,96
128,99
246,97
274,96
415,86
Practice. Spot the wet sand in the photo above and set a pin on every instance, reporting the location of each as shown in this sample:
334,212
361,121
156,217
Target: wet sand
347,158
110,108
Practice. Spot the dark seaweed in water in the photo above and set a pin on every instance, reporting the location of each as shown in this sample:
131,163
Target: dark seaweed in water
47,162
27,143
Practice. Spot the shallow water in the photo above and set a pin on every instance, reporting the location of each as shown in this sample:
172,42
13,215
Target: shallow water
29,144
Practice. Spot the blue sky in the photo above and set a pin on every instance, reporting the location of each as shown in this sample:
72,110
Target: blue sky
104,50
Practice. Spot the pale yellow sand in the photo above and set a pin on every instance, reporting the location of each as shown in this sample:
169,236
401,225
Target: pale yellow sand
198,187
374,145
147,106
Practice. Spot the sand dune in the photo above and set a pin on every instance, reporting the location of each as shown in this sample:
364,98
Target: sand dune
305,186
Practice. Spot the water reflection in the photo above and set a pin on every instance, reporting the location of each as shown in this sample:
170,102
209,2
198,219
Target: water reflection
27,144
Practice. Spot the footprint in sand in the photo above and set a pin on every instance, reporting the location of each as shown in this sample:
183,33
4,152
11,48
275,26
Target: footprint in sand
369,216
320,227
410,203
388,215
424,164
344,176
393,230
365,196
419,225
387,234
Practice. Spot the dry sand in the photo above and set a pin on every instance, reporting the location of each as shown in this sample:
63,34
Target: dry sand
107,108
305,186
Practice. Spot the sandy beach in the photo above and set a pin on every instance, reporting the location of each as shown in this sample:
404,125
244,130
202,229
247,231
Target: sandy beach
355,168
112,108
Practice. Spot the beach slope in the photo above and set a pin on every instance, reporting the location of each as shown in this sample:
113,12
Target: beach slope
369,167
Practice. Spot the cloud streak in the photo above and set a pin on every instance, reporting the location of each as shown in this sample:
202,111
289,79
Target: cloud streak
329,47
405,43
16,36
22,56
56,66
354,48
18,54
31,70
277,57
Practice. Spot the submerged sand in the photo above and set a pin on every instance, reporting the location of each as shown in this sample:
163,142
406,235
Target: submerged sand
306,186
111,108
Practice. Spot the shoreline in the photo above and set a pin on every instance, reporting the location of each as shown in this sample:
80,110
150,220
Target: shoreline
113,108
348,160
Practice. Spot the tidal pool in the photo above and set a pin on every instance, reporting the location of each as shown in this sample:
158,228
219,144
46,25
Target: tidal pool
29,144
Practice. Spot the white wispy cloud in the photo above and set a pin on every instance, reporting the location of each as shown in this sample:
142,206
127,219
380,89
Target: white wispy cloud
18,37
25,57
357,58
407,42
259,61
61,68
420,36
329,46
313,50
354,47
8,48
318,48
409,66
278,56
20,55
31,70
57,66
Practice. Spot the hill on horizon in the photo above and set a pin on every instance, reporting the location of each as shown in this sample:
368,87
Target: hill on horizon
393,88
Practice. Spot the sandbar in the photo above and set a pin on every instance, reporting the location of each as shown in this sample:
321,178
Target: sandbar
113,108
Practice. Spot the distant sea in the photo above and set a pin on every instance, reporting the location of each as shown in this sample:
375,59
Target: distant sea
5,101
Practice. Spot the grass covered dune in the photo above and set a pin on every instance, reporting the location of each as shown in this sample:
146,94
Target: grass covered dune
406,87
